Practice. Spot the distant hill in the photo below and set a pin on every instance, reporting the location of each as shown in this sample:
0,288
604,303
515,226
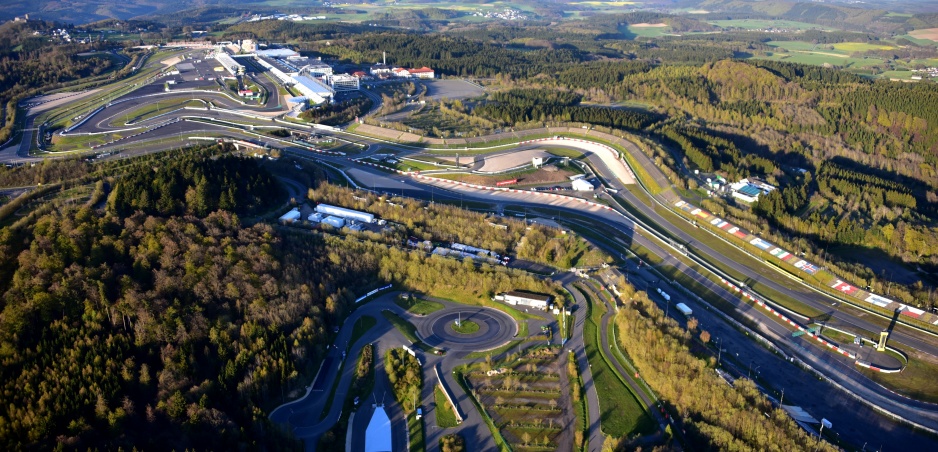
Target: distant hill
872,18
93,10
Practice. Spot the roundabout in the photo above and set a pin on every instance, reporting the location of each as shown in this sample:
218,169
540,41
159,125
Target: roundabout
480,328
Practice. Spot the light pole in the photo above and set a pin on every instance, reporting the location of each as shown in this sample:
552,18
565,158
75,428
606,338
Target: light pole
820,432
750,369
719,350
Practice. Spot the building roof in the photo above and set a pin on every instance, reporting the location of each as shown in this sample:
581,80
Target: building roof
528,295
582,184
276,53
423,70
378,433
313,85
750,190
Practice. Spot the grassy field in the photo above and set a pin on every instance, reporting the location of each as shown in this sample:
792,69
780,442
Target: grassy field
419,306
622,413
917,379
80,142
757,24
632,31
445,416
836,54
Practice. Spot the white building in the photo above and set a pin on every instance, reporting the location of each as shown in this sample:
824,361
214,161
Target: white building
350,214
423,72
582,184
379,69
291,216
533,300
333,221
750,190
344,82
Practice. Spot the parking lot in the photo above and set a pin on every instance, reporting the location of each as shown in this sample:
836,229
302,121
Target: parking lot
452,89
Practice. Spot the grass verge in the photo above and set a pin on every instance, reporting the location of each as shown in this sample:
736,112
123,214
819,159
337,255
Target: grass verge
445,415
415,429
419,306
622,414
579,406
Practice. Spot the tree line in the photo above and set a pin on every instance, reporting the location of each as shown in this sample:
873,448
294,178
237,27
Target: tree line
714,415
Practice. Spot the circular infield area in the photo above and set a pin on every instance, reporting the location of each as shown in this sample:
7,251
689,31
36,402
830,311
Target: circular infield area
495,328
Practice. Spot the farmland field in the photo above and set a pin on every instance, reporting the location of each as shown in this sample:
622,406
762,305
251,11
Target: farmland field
860,46
930,34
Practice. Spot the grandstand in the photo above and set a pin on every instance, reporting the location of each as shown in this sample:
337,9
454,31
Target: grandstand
229,63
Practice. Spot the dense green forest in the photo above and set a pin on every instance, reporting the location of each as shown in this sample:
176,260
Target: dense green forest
195,184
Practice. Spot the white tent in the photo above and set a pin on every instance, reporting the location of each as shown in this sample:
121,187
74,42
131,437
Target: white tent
378,434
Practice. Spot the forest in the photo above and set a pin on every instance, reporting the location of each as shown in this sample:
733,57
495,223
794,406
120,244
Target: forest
179,329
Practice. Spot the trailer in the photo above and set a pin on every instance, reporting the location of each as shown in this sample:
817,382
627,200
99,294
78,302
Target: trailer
684,309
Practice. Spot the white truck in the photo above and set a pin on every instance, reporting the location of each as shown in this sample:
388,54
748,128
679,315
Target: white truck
684,309
664,295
